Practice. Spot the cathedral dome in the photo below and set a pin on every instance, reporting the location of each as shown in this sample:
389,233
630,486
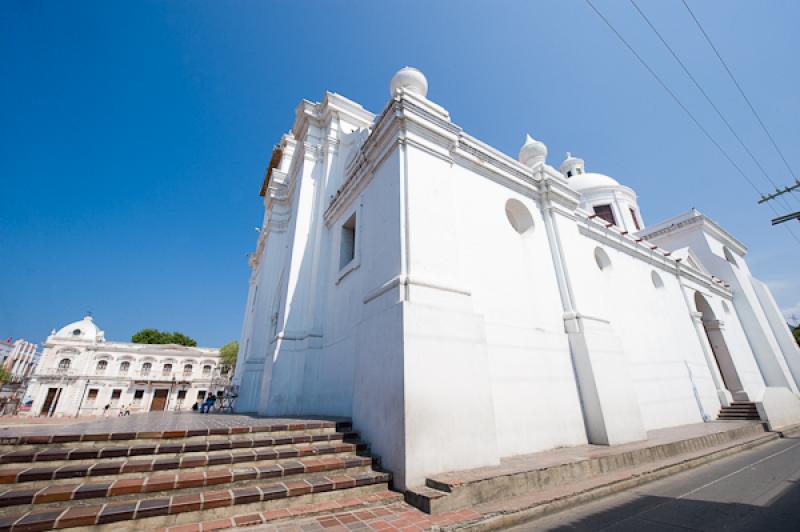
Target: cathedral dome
591,180
81,330
410,79
532,152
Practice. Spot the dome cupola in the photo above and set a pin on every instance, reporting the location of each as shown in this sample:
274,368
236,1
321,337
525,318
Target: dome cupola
571,166
533,152
85,330
603,196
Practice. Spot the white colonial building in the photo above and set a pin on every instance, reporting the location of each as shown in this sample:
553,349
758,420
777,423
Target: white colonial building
80,372
463,306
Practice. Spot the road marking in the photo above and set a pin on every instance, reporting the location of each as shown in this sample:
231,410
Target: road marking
695,490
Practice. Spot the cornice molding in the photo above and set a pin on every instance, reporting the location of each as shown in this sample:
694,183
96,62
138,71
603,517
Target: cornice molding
692,220
652,255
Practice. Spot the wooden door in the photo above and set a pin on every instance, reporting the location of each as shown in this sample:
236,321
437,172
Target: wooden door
48,401
159,400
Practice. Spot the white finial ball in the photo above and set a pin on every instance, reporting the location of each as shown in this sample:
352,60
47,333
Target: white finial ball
410,79
532,152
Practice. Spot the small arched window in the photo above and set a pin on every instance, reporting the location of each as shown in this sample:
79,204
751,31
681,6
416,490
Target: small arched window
166,371
601,258
101,367
64,365
206,371
187,370
146,367
657,281
124,368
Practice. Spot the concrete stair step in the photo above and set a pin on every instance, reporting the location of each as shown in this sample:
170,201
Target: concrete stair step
49,474
163,511
45,494
94,439
171,447
450,491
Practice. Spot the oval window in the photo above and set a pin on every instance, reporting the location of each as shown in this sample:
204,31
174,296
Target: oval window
519,216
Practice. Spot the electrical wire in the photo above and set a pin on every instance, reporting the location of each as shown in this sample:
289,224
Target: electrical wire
741,90
708,99
682,106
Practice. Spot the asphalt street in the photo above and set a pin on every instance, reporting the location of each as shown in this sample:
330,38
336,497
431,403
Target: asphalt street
756,490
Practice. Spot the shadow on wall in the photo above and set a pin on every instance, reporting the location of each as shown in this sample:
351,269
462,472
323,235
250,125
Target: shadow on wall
653,513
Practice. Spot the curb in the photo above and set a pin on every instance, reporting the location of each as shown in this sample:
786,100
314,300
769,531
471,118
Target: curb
504,520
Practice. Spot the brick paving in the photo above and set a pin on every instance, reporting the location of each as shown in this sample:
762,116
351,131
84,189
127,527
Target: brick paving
380,511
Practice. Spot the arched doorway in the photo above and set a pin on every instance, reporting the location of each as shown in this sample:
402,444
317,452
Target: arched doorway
714,332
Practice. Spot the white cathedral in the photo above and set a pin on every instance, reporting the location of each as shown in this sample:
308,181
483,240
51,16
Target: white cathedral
462,306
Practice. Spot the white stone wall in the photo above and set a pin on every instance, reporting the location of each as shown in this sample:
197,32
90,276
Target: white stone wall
474,322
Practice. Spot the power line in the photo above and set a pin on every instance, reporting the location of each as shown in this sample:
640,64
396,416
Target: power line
682,106
741,90
674,97
707,97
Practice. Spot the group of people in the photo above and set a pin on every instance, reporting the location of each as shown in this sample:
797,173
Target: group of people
203,407
123,410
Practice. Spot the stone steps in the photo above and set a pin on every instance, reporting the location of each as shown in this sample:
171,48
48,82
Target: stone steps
739,411
174,437
171,448
160,512
64,490
133,468
143,480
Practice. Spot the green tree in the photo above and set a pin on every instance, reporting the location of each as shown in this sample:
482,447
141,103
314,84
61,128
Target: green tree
228,353
5,376
796,333
154,336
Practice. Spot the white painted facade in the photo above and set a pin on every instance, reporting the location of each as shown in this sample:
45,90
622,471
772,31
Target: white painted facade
462,306
80,372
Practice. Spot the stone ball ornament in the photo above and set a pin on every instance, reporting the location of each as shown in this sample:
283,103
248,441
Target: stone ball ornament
410,79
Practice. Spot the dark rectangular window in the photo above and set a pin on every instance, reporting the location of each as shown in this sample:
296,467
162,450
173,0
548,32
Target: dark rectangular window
605,212
92,394
635,220
116,394
201,394
181,394
347,249
138,394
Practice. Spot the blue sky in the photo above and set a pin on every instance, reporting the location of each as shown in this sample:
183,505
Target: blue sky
134,135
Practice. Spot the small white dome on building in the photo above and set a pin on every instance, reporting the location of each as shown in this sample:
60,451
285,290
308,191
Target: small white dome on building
587,181
603,195
410,79
81,330
571,166
533,152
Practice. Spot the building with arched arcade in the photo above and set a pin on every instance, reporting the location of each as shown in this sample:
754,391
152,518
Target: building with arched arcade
80,372
462,305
